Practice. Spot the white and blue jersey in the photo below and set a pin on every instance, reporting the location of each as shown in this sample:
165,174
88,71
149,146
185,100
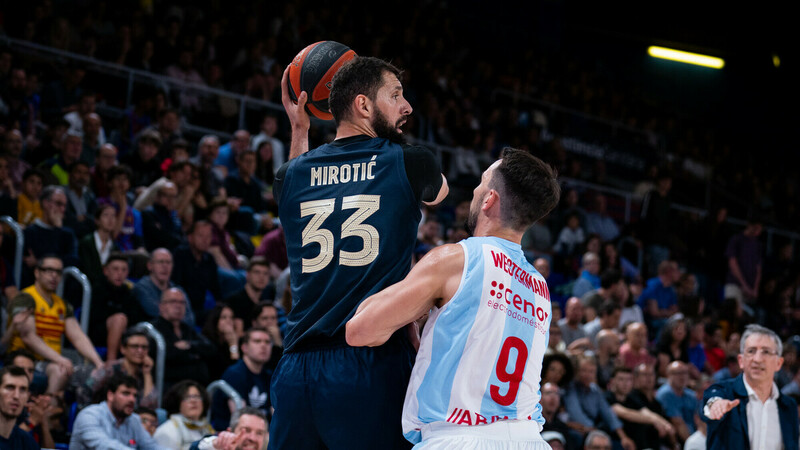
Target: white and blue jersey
480,356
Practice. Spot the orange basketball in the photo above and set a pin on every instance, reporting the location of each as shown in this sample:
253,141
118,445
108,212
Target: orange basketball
312,71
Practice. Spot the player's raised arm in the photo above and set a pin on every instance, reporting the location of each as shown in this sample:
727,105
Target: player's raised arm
298,117
433,281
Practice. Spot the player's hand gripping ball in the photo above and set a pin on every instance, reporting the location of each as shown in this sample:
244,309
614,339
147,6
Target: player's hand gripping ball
312,71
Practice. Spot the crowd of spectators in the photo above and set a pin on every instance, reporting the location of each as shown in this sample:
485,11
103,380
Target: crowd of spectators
179,230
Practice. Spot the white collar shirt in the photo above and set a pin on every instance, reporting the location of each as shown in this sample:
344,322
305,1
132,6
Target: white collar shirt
763,422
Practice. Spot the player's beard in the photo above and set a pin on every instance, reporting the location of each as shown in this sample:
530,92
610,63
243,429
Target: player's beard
472,219
384,130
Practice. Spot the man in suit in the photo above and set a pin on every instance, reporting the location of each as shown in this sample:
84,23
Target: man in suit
749,411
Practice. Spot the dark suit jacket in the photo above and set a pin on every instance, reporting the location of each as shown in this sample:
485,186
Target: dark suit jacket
731,432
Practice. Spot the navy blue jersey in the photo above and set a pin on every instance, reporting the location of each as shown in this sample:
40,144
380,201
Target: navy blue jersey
350,215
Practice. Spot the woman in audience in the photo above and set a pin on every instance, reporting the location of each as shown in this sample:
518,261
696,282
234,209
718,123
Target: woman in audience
221,331
186,403
673,345
557,369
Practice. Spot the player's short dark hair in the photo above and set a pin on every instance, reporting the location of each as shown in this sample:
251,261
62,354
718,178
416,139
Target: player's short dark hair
361,75
528,188
121,379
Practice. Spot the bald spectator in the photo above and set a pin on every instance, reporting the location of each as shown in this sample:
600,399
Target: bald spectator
149,289
160,222
570,324
589,278
634,351
187,349
607,352
87,103
679,402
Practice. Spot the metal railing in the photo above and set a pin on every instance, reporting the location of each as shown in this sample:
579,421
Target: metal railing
20,236
86,296
230,392
161,355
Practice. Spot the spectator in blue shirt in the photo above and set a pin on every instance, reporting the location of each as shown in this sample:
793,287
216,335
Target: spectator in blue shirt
598,221
112,423
587,405
659,300
679,402
589,279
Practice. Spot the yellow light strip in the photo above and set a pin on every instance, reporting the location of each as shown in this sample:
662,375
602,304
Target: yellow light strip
686,57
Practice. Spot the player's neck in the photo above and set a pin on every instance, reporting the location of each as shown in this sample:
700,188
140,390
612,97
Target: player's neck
496,230
350,129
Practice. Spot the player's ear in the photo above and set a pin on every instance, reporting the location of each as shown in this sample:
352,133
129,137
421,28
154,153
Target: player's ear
362,106
490,199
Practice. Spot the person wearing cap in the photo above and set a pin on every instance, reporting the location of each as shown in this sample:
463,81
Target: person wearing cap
555,439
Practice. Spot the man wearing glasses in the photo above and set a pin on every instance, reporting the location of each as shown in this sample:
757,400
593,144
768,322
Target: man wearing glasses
136,362
47,318
749,411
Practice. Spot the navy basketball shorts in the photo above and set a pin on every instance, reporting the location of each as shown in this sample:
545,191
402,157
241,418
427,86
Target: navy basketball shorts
341,398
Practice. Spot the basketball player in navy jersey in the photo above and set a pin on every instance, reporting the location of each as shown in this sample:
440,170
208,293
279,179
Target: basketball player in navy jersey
476,379
350,211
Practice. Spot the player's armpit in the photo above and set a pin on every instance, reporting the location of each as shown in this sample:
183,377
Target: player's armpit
435,277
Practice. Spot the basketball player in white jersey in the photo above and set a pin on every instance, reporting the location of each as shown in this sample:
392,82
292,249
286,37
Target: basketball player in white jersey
475,383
